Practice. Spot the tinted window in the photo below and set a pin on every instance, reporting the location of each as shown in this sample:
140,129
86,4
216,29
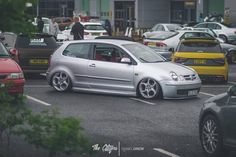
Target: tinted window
200,47
162,35
143,53
109,53
93,27
196,35
77,50
37,42
3,51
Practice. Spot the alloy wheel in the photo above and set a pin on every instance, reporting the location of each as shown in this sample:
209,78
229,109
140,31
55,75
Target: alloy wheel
149,88
61,81
210,136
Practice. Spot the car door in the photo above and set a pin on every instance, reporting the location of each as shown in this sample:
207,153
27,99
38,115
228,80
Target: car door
106,72
229,117
77,60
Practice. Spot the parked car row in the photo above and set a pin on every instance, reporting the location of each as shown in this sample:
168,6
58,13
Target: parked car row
129,68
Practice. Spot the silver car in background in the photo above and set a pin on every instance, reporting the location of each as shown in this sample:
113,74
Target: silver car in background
119,67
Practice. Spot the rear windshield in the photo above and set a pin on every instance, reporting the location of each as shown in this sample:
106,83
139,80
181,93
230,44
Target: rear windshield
3,51
173,27
42,43
93,27
200,47
9,40
162,35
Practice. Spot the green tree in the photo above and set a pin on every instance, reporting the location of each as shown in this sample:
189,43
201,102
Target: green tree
15,16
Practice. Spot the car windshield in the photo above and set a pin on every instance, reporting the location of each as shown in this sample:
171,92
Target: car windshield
173,27
93,27
162,35
209,47
143,53
3,51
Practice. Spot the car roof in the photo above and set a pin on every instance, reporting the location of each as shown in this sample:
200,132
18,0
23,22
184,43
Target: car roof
106,41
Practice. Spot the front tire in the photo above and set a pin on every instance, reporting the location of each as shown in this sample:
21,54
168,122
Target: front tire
61,81
224,38
149,88
211,137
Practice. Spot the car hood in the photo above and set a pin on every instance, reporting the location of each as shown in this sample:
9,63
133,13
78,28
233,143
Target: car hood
167,67
7,65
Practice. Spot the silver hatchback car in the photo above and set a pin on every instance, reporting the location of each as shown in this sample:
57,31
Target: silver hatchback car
119,67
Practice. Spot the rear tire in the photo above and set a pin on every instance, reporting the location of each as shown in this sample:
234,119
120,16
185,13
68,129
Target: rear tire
61,81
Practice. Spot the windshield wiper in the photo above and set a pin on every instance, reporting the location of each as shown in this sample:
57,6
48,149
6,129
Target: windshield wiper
4,55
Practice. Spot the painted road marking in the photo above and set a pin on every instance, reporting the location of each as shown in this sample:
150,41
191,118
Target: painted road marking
37,100
208,94
143,101
165,152
36,86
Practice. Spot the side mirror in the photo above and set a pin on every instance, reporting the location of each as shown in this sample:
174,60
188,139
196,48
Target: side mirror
13,52
126,60
2,37
232,91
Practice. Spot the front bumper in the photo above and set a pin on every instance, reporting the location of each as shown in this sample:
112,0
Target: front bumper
180,90
14,87
212,71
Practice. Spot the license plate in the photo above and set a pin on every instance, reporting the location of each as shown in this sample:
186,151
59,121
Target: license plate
39,61
192,92
152,44
95,34
199,61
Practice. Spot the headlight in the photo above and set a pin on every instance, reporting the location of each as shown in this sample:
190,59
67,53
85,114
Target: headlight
174,76
15,76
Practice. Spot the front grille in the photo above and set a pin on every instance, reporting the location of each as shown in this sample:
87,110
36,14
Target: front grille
184,92
3,76
190,77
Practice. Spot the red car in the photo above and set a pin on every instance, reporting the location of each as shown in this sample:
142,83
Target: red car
10,73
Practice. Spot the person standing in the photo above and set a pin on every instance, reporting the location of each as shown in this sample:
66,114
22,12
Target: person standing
55,28
40,24
78,29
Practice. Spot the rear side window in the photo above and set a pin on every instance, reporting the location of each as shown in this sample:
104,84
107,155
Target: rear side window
41,43
77,50
200,47
163,35
93,27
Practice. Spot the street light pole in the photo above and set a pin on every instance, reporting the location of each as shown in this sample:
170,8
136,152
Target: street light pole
37,9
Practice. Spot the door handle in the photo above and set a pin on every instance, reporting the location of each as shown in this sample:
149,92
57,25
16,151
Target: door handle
92,65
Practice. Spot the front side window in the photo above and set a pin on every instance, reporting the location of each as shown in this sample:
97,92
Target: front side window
77,50
201,26
108,53
208,47
143,53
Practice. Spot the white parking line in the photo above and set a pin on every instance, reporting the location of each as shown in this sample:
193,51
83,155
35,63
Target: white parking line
37,100
165,152
231,82
36,86
208,94
143,101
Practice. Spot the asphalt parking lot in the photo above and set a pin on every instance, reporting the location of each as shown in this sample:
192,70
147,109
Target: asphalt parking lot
136,127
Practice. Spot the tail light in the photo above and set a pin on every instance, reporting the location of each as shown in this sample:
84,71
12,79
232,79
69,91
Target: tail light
145,43
220,61
105,33
86,33
160,44
180,60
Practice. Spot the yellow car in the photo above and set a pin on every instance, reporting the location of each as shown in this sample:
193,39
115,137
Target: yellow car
205,56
